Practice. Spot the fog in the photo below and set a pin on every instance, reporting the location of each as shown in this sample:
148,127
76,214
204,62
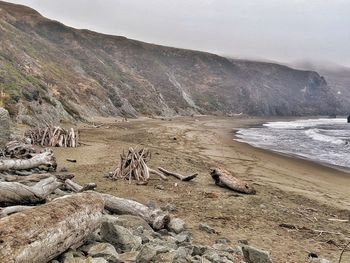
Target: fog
276,30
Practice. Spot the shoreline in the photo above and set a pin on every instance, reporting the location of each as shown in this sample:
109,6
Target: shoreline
289,190
286,154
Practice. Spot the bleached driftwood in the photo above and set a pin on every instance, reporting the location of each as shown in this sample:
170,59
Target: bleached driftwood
177,175
6,211
44,232
46,159
157,218
16,193
33,178
73,186
18,149
53,136
224,178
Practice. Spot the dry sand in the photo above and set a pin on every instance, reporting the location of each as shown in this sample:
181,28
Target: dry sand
289,190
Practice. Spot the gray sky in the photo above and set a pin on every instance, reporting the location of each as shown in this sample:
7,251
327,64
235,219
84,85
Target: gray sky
279,30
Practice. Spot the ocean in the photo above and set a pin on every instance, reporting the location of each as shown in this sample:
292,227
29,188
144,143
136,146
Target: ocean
321,140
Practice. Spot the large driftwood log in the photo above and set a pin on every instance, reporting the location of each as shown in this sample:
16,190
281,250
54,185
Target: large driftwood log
16,193
157,218
224,178
181,177
46,158
44,232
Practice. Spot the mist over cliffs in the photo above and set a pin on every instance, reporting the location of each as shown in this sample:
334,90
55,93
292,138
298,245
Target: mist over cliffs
51,71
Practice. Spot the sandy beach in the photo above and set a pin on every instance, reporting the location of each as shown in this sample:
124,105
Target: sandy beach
289,190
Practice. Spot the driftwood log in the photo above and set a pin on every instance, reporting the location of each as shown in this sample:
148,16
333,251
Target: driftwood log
44,232
46,159
73,186
34,178
177,175
224,178
155,217
16,193
13,209
18,149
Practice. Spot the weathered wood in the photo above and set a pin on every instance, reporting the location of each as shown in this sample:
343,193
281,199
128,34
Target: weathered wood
44,232
52,136
75,187
181,177
16,193
33,178
18,149
158,173
156,218
46,158
224,178
13,209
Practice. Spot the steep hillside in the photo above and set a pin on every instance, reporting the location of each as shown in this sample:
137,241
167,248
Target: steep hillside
51,71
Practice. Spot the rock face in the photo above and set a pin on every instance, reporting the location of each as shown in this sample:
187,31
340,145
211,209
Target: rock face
4,126
51,71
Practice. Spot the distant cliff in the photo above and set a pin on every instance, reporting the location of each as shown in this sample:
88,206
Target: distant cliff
51,71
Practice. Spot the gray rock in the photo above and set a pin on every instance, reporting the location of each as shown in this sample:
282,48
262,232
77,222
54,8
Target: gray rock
130,222
182,255
176,225
104,250
119,236
5,124
254,255
206,228
97,260
223,247
212,256
199,250
169,207
72,256
128,256
146,254
183,239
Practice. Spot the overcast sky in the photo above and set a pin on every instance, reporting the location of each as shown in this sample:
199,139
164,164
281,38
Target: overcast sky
279,30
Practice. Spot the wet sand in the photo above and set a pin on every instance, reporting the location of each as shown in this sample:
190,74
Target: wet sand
289,190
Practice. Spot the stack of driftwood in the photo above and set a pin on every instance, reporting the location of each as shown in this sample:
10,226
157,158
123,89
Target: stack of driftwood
133,166
53,136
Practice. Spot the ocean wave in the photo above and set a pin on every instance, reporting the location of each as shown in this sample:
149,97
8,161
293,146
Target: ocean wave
315,134
302,124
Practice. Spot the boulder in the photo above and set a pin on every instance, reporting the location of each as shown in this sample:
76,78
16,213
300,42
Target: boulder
101,250
146,254
120,237
5,124
176,225
254,255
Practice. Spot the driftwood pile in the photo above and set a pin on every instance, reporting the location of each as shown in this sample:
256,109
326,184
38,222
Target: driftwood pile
43,215
18,157
133,166
53,136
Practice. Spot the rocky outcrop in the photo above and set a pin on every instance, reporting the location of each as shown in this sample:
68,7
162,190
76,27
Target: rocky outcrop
5,125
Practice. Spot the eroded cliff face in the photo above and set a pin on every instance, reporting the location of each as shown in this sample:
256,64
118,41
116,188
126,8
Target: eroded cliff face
51,71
